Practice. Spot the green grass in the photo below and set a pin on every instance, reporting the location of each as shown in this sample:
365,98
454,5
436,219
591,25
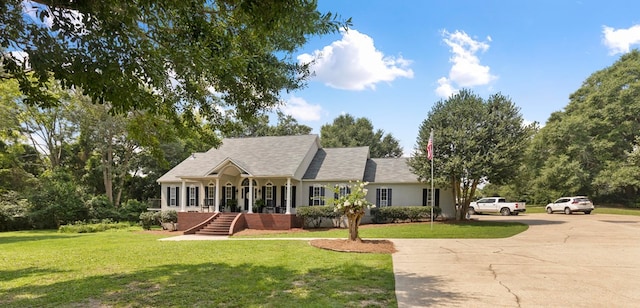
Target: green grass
123,268
476,229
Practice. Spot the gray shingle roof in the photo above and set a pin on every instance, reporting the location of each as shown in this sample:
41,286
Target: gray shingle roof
338,164
389,170
260,156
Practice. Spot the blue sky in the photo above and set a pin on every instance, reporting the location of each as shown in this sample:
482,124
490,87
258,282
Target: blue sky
400,57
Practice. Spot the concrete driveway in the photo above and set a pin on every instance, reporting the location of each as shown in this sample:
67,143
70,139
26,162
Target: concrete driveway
560,261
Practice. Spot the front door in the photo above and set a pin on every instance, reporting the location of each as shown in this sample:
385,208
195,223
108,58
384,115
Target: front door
245,195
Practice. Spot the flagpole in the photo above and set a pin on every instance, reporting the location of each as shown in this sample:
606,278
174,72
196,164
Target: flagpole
432,191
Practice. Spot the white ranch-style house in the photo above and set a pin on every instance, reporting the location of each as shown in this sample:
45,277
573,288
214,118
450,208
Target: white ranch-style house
286,172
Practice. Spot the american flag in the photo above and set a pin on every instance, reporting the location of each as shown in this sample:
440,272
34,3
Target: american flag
430,147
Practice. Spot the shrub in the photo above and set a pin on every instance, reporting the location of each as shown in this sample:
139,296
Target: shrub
13,211
82,227
148,219
56,200
169,216
131,210
314,215
100,208
403,213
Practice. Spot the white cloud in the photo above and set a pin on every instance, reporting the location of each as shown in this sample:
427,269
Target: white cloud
466,70
301,110
354,63
445,89
620,40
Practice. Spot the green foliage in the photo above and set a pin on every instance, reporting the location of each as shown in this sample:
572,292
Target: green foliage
169,216
131,210
83,227
313,216
149,219
404,213
13,211
101,208
165,56
56,200
352,205
591,147
259,126
346,131
475,141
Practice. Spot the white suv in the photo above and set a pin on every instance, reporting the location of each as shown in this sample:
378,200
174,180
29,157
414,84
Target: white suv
569,205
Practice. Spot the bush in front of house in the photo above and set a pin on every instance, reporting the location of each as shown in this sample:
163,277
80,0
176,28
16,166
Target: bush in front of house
150,219
313,216
403,213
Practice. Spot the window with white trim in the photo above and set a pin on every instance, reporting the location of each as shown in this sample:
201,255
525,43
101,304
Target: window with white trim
268,194
192,196
211,194
344,190
228,193
317,197
172,196
383,197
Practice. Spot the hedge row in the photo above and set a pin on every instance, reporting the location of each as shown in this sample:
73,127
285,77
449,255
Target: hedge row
313,216
403,213
83,227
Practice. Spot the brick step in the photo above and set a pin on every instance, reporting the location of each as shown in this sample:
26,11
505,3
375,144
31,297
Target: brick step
211,233
219,226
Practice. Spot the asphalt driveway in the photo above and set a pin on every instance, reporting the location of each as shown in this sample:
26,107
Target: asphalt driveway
560,261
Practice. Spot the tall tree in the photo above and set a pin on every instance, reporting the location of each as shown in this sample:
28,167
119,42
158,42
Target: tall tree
259,126
347,131
167,57
475,140
49,128
596,135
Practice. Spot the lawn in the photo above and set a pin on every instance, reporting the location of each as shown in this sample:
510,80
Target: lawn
124,268
133,269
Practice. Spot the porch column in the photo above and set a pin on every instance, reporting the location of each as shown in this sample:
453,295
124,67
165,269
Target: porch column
288,196
183,196
250,195
217,195
202,196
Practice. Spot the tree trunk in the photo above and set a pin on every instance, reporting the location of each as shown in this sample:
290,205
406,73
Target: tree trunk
107,174
354,222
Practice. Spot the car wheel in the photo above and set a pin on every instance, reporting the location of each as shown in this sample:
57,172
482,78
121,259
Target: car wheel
505,211
587,212
567,211
516,213
549,210
472,211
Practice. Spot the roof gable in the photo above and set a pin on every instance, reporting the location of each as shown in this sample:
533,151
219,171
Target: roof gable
258,156
338,164
389,170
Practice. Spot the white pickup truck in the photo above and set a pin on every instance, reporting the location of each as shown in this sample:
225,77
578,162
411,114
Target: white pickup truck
497,205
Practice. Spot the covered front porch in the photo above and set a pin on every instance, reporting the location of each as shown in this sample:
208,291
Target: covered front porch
231,188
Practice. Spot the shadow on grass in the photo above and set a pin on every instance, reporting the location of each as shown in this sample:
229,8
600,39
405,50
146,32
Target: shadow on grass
29,238
6,276
214,284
